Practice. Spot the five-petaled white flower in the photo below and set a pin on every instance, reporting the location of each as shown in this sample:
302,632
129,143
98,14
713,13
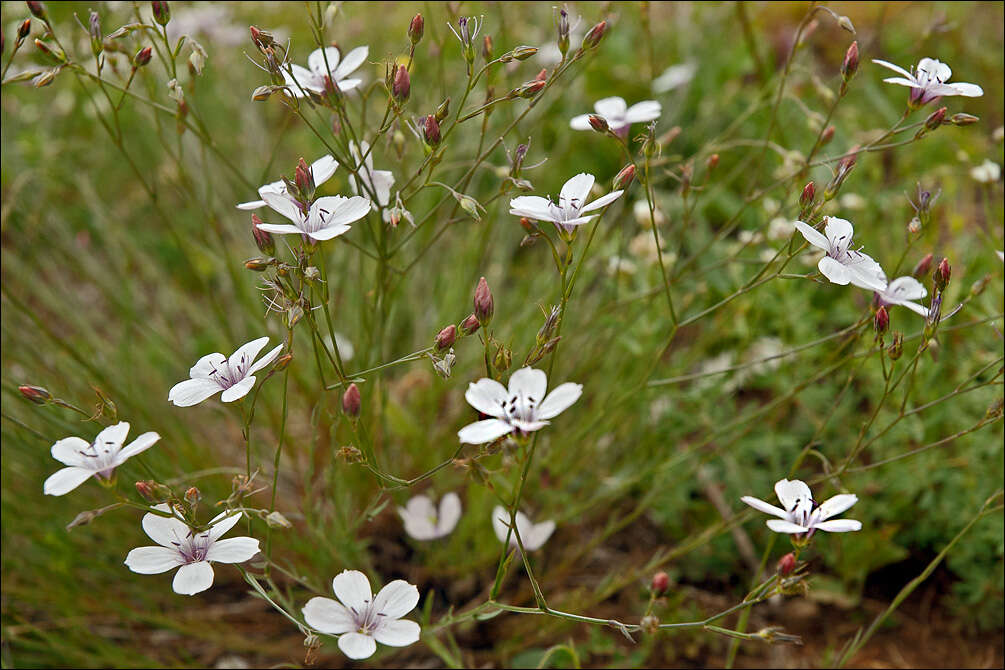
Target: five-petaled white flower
841,264
376,182
215,372
361,620
424,522
533,535
571,207
325,64
322,170
327,218
929,81
97,459
901,291
618,114
801,514
180,547
523,408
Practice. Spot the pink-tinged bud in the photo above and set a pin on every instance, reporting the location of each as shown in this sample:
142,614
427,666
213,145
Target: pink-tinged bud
624,178
529,89
526,224
402,86
923,266
24,29
351,401
283,362
431,131
963,119
487,48
146,490
143,56
446,337
598,123
661,582
470,325
827,136
809,195
416,28
304,179
162,12
37,10
935,119
850,65
484,304
542,75
596,34
786,564
36,394
942,274
53,54
881,322
259,264
712,162
263,239
193,496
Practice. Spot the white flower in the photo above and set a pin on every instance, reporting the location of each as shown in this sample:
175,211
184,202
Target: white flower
313,79
360,620
98,459
987,172
214,373
901,291
802,515
618,114
322,169
377,182
673,77
424,522
929,81
567,214
1001,256
190,552
841,264
533,535
523,408
327,218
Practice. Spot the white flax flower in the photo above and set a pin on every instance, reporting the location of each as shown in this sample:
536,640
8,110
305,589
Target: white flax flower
192,553
362,620
424,522
571,207
929,81
802,515
375,182
841,264
322,170
902,291
214,373
97,459
533,535
523,408
327,218
325,64
618,114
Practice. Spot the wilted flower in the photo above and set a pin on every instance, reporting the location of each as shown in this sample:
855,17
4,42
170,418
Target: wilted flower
322,170
929,81
533,535
618,114
901,291
522,408
801,514
190,552
424,522
313,79
214,373
567,214
362,620
841,264
97,459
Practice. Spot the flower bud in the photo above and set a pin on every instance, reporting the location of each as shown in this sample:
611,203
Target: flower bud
487,48
442,111
142,57
624,178
598,123
36,394
23,30
193,496
283,362
484,304
416,28
963,119
850,65
978,286
942,274
446,337
45,78
37,10
563,31
528,90
351,401
263,239
923,266
896,347
712,162
596,34
52,53
660,584
94,30
259,263
431,131
827,135
304,179
402,85
152,491
881,321
520,53
935,119
808,196
470,325
786,564
162,13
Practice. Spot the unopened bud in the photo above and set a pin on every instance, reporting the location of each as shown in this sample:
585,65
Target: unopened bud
935,119
416,28
402,86
142,56
36,394
283,362
942,274
923,266
145,490
23,29
896,347
786,564
598,123
263,93
827,135
484,304
660,584
442,111
263,239
528,90
624,178
446,337
45,78
94,30
563,31
881,322
431,131
304,179
193,496
520,53
963,119
259,263
275,519
809,194
978,286
487,48
470,325
37,10
712,162
850,65
52,53
162,12
595,35
152,491
351,401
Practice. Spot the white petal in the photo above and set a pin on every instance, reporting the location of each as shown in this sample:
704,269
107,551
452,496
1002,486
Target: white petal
280,228
265,360
302,78
865,272
353,589
323,168
537,535
560,399
349,84
792,493
920,310
316,61
223,522
418,516
935,68
529,382
487,396
891,66
813,236
153,560
352,60
450,514
481,432
400,633
67,451
576,190
901,81
112,437
647,110
240,361
396,599
233,550
193,578
839,526
63,481
968,90
836,505
602,201
780,526
839,232
329,233
192,392
834,271
343,210
284,205
611,108
137,446
905,288
253,204
500,522
357,646
328,616
762,506
238,390
207,365
581,122
164,530
531,206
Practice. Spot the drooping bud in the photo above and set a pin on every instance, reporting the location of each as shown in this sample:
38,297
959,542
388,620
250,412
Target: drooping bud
162,12
786,564
402,85
263,239
470,325
923,266
351,401
52,53
942,274
896,347
431,131
442,111
528,89
142,57
712,162
963,119
598,123
660,583
283,362
881,322
850,65
259,264
484,304
416,28
36,394
596,34
153,492
624,178
37,10
446,337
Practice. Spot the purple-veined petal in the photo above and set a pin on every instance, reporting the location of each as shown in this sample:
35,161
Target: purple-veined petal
780,526
193,578
602,201
233,550
353,589
357,646
839,525
762,506
792,493
328,616
112,437
398,633
284,205
487,396
240,361
834,271
839,232
529,382
481,432
396,599
67,451
560,399
904,288
153,560
324,62
344,210
813,236
206,365
65,480
238,390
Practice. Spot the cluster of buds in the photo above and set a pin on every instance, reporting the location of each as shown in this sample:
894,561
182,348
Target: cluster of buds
272,53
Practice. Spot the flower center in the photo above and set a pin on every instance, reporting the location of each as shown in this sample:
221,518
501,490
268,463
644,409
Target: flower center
367,620
520,408
193,548
100,457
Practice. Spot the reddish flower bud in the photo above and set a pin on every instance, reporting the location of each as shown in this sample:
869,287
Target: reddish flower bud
351,401
36,394
827,135
484,304
527,225
446,337
162,13
542,75
528,90
787,563
809,195
24,29
598,123
661,582
146,490
942,274
470,325
263,239
850,65
193,496
304,179
923,266
624,178
402,86
431,130
963,119
259,264
935,119
487,48
283,362
142,57
596,34
712,162
37,10
881,322
416,28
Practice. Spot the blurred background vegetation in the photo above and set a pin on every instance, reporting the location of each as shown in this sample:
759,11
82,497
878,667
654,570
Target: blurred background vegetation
122,265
